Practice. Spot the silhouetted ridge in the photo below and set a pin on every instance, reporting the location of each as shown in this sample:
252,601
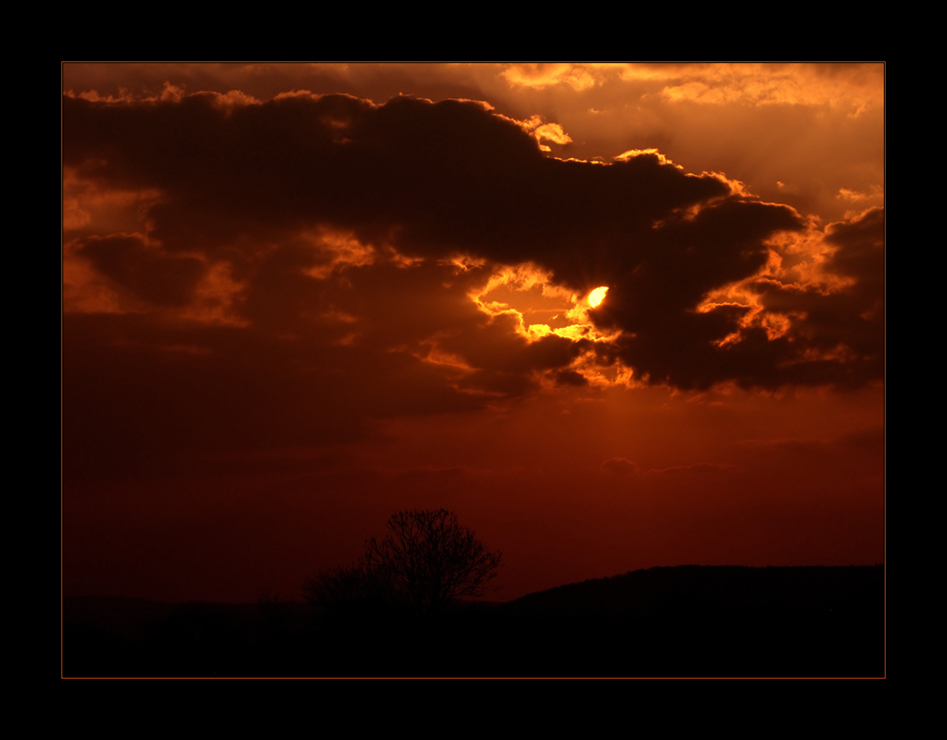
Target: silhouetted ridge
644,593
673,621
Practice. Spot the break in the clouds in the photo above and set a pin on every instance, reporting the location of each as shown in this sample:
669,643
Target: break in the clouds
329,260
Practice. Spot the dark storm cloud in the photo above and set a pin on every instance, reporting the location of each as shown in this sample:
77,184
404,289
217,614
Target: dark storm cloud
240,182
449,177
142,395
319,363
844,329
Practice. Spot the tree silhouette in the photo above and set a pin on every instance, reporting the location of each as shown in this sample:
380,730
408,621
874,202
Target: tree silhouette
431,559
426,561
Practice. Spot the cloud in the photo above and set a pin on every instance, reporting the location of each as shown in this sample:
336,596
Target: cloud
620,466
868,441
433,179
324,234
836,336
143,394
147,273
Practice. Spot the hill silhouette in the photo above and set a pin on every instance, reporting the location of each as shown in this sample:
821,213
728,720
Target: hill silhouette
671,621
715,621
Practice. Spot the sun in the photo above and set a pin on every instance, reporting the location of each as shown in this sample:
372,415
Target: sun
597,296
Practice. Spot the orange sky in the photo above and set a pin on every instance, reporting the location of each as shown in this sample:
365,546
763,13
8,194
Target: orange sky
297,298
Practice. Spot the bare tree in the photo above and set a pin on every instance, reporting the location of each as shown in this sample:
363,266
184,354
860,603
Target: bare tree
429,559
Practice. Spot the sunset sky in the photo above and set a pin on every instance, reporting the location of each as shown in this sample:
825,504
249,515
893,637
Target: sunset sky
298,298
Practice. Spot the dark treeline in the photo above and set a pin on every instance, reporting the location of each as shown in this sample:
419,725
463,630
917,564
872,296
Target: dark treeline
681,621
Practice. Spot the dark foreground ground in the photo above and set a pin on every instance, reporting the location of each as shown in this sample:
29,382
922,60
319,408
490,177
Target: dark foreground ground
682,621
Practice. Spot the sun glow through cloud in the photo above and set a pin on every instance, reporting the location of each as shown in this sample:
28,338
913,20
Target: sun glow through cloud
597,296
541,308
